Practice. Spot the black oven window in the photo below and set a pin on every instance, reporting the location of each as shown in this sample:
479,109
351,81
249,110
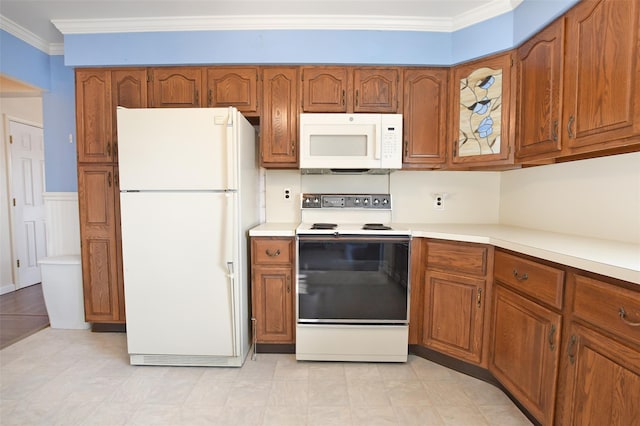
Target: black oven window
346,280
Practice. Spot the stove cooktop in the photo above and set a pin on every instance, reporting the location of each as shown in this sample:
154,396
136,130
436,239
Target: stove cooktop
351,229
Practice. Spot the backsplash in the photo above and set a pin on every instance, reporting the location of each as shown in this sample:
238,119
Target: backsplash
472,197
597,198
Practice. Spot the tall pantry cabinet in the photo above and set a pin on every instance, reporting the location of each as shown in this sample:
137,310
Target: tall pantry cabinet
98,93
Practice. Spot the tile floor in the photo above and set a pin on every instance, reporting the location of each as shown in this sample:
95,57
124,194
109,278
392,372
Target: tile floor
76,377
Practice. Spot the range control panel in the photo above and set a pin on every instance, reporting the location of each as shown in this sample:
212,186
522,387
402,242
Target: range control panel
346,201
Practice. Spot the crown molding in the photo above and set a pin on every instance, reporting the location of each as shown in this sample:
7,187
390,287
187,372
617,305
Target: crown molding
484,13
258,22
252,22
25,35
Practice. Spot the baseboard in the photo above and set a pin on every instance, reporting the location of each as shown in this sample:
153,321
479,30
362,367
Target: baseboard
7,288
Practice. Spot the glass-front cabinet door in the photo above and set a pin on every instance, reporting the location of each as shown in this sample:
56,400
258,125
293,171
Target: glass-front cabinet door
482,111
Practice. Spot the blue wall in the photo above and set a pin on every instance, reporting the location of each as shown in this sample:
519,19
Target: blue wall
55,74
59,122
259,47
23,62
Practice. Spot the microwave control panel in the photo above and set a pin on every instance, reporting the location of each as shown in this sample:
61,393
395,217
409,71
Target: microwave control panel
346,201
391,135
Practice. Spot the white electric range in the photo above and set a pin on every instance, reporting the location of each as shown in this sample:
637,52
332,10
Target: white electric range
352,280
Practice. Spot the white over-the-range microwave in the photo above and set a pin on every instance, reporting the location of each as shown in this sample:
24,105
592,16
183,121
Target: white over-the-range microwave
342,142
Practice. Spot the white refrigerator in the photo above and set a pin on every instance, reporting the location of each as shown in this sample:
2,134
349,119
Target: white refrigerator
189,192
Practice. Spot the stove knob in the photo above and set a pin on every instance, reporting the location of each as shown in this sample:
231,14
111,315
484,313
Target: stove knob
315,200
366,201
356,201
385,201
376,201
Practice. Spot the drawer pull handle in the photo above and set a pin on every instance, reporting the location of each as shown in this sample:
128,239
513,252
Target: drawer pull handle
520,277
273,253
623,316
288,284
479,298
571,349
552,332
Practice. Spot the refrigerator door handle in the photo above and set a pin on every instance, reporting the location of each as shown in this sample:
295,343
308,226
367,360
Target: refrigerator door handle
232,278
229,146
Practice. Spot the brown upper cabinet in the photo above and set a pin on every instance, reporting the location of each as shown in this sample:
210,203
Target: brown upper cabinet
279,119
602,76
425,117
98,93
481,109
538,94
351,89
93,116
176,87
236,87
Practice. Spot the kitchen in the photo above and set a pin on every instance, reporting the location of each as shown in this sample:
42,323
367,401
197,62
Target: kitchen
489,197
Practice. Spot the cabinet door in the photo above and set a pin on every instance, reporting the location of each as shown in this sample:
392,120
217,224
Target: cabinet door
101,277
539,81
481,112
279,121
602,380
129,90
178,87
524,351
425,117
94,116
602,72
376,90
454,315
273,305
236,87
325,89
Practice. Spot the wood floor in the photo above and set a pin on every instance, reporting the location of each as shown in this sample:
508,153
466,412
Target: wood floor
22,313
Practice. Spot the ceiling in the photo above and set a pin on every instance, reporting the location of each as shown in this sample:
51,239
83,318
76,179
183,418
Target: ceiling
35,17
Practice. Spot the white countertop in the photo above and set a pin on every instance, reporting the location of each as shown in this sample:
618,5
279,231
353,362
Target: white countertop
274,229
611,258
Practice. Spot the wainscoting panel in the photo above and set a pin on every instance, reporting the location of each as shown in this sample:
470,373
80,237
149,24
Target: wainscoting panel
63,224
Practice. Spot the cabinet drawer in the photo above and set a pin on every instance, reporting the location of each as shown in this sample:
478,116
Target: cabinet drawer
461,258
272,251
543,283
614,309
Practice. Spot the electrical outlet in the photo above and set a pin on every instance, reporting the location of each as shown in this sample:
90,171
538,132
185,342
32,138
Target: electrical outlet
287,194
438,201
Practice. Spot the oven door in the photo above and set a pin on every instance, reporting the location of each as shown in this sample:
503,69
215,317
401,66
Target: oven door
353,279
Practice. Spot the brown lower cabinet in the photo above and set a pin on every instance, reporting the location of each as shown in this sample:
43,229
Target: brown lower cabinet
99,202
600,369
524,351
455,289
273,290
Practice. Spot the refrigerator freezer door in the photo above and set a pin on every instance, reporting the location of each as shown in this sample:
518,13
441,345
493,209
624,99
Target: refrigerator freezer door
180,298
176,149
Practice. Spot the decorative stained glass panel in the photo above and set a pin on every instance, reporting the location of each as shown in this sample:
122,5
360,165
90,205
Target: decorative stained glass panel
480,113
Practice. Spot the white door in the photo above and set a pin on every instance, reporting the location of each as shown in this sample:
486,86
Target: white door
180,297
26,146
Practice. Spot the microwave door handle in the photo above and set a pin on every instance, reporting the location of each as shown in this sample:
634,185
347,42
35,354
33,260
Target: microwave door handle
376,145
